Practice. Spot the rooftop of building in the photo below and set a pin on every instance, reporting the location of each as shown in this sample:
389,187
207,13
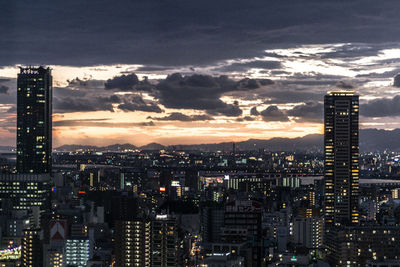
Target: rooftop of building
342,93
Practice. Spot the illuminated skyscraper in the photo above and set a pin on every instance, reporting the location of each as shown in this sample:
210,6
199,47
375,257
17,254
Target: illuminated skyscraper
34,124
31,186
341,159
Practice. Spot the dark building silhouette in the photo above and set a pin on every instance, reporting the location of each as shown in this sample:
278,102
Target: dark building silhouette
124,207
246,215
212,220
164,241
34,124
341,159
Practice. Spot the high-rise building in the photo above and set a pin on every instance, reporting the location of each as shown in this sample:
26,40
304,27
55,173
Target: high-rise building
164,241
77,251
132,242
124,207
354,246
247,215
212,220
308,229
341,158
24,191
34,124
32,253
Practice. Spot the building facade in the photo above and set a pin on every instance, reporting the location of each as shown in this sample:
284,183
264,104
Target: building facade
308,231
132,243
31,252
355,246
24,191
164,241
247,215
341,158
77,251
34,124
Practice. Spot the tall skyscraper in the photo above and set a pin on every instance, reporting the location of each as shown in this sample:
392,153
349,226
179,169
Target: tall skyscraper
341,158
34,124
31,186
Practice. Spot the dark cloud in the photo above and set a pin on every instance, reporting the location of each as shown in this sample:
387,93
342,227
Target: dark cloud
230,110
344,85
289,96
123,82
76,104
99,123
137,103
308,112
248,83
200,92
13,109
385,74
245,118
382,107
182,32
78,82
4,89
396,80
153,68
254,111
273,113
177,116
243,67
351,51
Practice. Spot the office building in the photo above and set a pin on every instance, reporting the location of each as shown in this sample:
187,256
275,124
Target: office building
34,124
247,215
31,186
24,191
341,158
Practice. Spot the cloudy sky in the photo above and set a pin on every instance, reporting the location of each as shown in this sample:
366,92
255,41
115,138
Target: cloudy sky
185,71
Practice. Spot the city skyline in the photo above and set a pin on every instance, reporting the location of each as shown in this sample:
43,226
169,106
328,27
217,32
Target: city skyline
264,121
199,133
299,53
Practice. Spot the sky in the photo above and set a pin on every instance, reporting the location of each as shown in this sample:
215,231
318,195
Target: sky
189,72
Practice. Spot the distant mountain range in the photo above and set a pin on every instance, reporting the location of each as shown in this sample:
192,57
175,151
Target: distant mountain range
370,140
